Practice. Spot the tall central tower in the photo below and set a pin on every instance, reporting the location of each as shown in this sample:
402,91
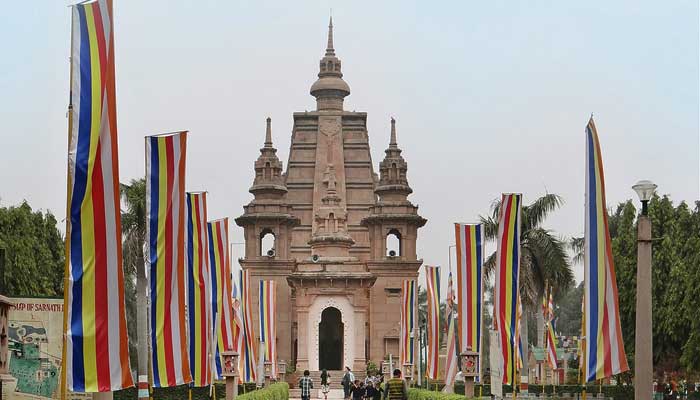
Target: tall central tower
331,215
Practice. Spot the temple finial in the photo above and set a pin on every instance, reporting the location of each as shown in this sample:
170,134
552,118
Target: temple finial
392,141
330,51
268,133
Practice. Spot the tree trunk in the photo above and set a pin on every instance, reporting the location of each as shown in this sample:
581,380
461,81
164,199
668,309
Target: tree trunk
540,329
526,345
142,326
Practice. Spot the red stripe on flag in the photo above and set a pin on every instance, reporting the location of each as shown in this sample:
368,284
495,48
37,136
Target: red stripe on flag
202,305
503,307
101,298
167,319
470,295
101,47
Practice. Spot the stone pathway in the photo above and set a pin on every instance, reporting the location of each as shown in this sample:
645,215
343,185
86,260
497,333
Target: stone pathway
334,394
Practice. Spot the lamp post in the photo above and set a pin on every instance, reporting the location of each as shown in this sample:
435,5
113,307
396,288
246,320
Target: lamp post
643,366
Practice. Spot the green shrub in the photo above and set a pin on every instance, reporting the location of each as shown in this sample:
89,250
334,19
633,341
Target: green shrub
277,391
422,394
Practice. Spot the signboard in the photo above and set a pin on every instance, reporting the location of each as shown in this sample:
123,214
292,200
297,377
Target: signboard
35,342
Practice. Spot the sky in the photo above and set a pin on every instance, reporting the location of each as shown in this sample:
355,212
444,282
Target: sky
489,97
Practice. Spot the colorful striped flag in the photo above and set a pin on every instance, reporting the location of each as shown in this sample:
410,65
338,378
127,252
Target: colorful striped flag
451,357
221,293
238,333
470,273
268,333
551,347
249,352
507,292
432,278
408,323
518,326
165,257
605,352
199,313
96,350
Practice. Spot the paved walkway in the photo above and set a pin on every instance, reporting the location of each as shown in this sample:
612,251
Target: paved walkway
334,394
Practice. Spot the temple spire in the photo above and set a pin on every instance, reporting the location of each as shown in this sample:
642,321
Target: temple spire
392,141
330,51
268,133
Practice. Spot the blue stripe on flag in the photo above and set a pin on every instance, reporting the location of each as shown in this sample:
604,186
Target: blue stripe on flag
153,251
592,334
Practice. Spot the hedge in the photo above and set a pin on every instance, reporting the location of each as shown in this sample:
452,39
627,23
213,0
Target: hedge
617,392
277,391
423,394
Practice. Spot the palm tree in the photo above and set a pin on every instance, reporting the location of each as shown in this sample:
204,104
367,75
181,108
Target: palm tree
543,256
133,198
576,244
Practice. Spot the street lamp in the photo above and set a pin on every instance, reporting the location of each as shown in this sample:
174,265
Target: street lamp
643,365
645,189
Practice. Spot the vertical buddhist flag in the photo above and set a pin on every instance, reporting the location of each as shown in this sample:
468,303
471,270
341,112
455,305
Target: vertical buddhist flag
507,293
268,334
451,357
550,341
408,323
198,289
96,350
238,333
518,326
249,351
469,239
221,290
432,278
165,257
605,352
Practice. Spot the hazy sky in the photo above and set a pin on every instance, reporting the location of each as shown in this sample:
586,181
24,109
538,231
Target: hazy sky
489,97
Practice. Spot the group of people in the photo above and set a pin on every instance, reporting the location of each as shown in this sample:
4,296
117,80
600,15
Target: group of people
373,387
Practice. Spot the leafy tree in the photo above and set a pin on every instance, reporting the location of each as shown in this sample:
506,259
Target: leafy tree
675,277
133,239
567,312
34,252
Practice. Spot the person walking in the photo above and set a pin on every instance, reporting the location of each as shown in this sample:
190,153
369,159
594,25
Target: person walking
348,379
378,387
306,384
358,390
396,388
371,391
325,383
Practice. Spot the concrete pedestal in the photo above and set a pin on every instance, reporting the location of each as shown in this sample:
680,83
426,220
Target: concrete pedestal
469,387
231,388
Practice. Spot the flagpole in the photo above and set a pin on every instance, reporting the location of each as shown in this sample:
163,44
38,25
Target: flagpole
64,373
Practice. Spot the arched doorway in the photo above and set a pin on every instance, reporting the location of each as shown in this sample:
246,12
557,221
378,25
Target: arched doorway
330,340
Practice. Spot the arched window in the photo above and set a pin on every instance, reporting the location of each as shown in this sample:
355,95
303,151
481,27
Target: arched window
393,243
267,243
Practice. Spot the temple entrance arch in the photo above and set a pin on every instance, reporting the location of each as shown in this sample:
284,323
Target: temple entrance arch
338,306
330,340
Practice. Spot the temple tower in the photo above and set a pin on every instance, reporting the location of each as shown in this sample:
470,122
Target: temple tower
338,288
